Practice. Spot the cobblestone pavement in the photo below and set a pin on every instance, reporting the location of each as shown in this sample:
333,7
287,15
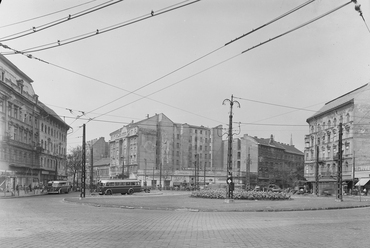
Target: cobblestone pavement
47,221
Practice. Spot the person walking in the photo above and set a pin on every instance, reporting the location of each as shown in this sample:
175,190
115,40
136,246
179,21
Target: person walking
17,189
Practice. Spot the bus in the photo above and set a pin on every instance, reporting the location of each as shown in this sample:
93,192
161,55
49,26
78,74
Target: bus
58,187
123,186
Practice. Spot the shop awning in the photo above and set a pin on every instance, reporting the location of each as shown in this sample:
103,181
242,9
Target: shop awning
362,181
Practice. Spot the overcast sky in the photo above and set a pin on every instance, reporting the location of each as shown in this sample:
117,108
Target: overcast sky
303,69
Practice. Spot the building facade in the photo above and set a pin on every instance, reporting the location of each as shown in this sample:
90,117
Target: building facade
33,138
163,153
352,112
260,161
97,151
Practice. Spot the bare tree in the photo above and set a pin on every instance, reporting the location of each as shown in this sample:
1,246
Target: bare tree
74,164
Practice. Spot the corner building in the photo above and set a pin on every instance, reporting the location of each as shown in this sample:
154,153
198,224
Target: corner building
33,138
352,111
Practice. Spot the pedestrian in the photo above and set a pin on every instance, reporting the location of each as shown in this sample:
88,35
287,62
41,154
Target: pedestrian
17,189
30,187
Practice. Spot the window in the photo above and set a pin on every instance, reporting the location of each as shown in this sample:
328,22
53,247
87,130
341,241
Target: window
9,109
16,112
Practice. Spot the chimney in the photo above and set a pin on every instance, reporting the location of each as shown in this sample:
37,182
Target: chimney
271,139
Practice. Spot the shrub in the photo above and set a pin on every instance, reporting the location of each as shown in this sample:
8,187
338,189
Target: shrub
241,194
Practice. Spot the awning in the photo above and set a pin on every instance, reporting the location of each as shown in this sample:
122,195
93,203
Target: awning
362,182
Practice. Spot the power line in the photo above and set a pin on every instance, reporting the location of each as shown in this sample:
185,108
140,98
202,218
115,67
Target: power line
244,35
106,29
222,61
298,27
31,19
273,104
208,68
59,21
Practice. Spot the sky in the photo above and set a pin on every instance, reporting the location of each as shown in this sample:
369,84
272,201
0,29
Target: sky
177,63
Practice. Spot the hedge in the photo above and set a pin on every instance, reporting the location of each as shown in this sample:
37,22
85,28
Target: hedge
241,194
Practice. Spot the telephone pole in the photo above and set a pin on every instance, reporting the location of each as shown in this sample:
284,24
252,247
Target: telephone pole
317,171
339,176
83,174
91,168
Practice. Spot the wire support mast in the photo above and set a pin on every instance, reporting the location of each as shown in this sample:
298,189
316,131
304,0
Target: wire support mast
358,9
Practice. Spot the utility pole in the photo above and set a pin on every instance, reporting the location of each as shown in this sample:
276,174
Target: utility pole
83,174
145,174
198,168
204,167
340,154
248,170
91,168
229,174
195,172
317,171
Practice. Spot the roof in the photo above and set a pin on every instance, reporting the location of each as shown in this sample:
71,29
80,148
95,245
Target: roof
51,112
339,101
15,68
278,145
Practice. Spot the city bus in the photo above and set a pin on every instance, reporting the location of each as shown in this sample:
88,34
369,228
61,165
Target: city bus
123,186
58,187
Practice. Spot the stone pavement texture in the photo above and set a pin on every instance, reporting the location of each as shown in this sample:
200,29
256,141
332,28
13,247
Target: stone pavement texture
49,221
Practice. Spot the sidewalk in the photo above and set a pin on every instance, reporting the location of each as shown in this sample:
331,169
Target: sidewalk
7,195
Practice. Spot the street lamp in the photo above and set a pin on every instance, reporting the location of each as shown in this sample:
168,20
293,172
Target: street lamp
229,149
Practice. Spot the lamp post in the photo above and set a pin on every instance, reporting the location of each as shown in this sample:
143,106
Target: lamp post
229,174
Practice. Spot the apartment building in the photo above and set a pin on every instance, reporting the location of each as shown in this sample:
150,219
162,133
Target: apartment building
352,112
33,137
162,152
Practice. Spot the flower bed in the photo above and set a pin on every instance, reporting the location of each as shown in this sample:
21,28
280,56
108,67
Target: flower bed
241,195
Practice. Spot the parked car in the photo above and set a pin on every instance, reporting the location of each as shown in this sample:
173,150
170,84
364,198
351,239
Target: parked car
274,188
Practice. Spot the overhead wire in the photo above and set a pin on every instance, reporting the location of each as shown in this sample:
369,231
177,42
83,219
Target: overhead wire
243,52
35,18
298,27
264,25
224,61
37,29
158,12
59,43
273,104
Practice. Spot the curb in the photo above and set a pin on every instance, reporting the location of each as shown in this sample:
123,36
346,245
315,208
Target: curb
213,210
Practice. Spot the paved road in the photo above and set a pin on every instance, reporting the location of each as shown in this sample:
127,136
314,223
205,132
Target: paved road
48,221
